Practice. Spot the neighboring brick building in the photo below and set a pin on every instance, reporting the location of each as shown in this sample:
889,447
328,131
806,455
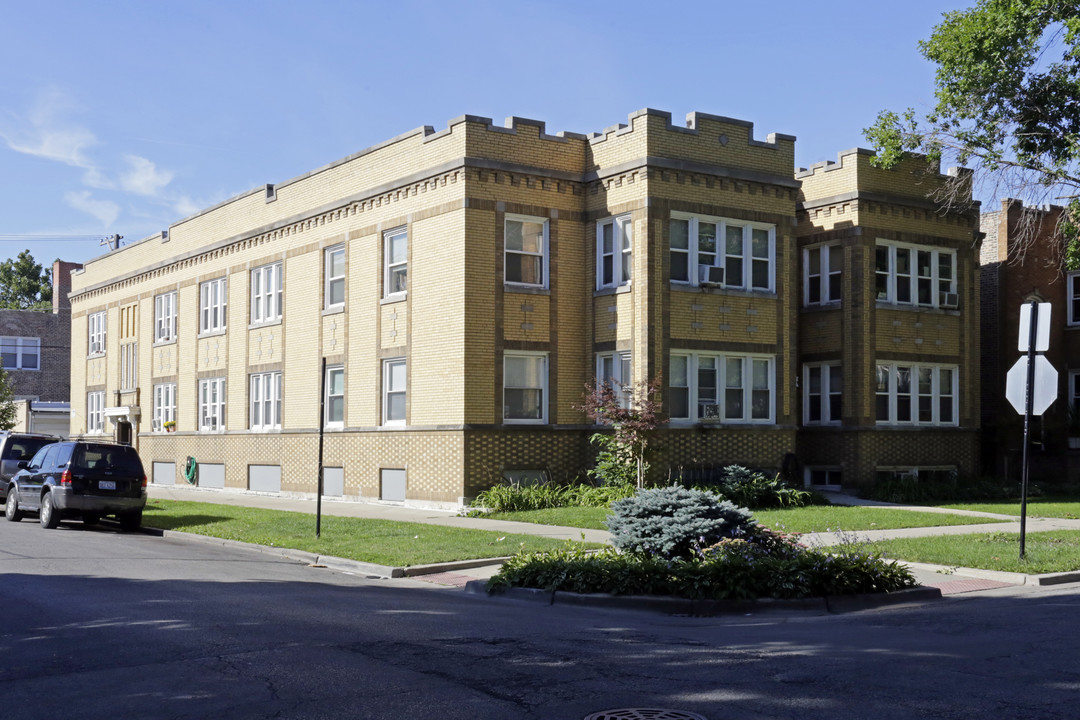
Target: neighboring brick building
464,285
1019,265
35,348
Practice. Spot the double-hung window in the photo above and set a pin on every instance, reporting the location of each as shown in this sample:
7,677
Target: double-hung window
395,262
95,411
613,369
614,252
334,274
1072,287
20,353
525,382
335,396
823,269
212,404
265,410
909,394
823,386
915,275
721,251
165,317
526,251
394,387
266,293
164,405
731,388
95,323
212,305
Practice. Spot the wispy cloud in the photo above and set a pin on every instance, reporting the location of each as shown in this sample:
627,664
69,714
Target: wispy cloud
104,210
143,177
44,133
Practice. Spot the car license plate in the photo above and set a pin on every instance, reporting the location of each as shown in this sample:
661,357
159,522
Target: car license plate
106,484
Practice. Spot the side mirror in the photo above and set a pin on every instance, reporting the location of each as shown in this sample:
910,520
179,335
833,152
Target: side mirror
23,464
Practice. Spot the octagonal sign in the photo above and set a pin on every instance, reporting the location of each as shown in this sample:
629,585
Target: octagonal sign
1044,389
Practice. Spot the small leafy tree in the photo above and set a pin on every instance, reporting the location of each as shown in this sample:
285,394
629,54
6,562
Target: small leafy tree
633,412
24,284
7,402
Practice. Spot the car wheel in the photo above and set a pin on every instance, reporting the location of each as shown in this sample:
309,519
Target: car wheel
11,510
48,515
131,521
91,518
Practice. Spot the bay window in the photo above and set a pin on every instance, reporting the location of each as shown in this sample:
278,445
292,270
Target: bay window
915,275
735,254
729,388
913,394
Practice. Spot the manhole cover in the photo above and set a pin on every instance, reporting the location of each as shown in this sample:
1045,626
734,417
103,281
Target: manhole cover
645,714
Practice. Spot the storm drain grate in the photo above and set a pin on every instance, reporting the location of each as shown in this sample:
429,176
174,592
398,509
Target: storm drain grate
645,714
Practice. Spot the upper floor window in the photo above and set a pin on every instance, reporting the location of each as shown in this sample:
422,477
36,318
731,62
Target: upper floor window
394,388
723,252
95,411
395,262
165,317
95,323
721,387
20,353
915,275
129,365
823,387
823,269
614,252
525,379
212,404
614,369
916,394
266,293
526,257
1072,287
335,396
164,406
265,401
334,287
212,305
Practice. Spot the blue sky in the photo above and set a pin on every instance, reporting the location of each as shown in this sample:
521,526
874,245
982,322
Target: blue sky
124,117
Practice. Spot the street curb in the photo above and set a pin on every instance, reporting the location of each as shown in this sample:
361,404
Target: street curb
686,606
1011,578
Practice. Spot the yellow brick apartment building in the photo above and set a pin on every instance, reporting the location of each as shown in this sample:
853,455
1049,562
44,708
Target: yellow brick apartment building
463,287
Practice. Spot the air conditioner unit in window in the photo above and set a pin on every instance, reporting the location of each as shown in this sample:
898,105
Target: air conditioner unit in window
95,348
711,275
710,411
948,300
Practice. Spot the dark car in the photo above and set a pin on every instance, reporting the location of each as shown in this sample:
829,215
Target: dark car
80,479
15,447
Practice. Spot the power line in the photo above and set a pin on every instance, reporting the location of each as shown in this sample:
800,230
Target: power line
51,237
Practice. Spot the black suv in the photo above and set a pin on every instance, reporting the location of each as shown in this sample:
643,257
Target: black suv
80,479
15,447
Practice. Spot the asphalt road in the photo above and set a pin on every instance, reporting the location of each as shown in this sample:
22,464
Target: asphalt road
98,624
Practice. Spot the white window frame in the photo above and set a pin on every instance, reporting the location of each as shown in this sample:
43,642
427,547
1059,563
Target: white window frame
264,401
165,317
722,410
331,396
129,365
21,348
164,405
903,288
95,412
907,403
543,254
698,264
618,257
213,305
96,325
542,358
392,391
266,294
826,392
615,369
212,404
828,280
1072,291
332,280
393,269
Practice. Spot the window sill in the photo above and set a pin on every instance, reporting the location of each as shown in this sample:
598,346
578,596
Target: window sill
524,422
822,307
91,356
162,343
395,298
335,310
212,333
526,289
617,290
264,323
735,292
904,307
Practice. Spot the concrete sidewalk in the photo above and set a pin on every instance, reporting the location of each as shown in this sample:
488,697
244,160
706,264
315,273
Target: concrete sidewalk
949,580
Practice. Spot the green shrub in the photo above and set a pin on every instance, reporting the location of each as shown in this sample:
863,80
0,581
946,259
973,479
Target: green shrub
615,465
514,497
946,487
747,488
669,522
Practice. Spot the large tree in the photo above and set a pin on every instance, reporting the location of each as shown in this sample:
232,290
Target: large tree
7,402
1007,103
24,284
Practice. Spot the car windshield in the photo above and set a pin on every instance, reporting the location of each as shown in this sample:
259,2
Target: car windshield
119,459
24,448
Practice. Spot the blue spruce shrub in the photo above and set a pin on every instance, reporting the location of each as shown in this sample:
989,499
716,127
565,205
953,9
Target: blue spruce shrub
671,522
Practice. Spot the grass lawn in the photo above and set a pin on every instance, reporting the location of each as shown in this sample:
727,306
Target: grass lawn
815,518
383,542
1037,507
1046,552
